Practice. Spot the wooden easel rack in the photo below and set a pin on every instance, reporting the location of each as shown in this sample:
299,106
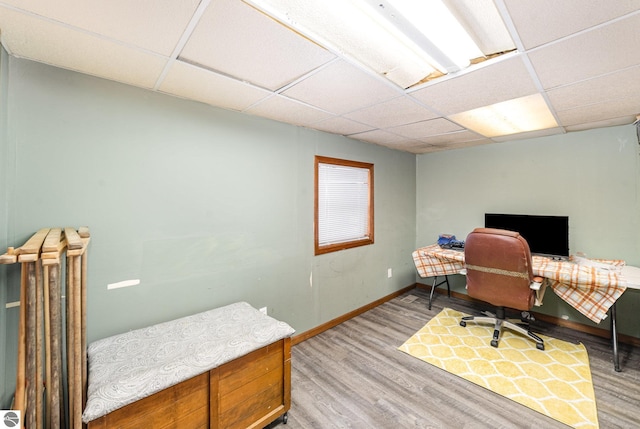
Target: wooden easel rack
49,321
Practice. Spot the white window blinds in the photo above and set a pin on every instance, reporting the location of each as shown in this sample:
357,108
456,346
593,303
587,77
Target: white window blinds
343,203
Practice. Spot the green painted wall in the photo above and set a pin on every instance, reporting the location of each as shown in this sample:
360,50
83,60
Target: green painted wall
205,206
7,364
591,176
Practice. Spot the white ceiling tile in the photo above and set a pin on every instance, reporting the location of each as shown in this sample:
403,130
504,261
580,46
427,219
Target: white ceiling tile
33,38
530,134
454,142
622,84
562,18
590,54
424,148
381,137
155,25
599,112
454,137
432,127
286,110
403,145
440,147
400,110
342,126
185,80
234,38
625,120
340,88
492,82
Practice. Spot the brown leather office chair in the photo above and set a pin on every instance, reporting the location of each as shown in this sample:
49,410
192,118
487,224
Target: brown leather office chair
498,264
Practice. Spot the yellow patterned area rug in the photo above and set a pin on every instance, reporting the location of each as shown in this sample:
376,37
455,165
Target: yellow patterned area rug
555,382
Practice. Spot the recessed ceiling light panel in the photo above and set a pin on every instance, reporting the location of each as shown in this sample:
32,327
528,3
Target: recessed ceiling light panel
508,117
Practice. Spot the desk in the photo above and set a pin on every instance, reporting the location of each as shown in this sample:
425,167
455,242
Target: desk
590,290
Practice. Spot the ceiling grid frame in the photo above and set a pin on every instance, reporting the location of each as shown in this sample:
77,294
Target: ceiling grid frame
36,31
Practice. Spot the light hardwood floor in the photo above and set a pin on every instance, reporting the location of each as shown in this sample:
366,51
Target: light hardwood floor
353,376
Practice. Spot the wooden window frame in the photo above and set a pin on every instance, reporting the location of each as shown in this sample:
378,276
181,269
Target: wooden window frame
334,247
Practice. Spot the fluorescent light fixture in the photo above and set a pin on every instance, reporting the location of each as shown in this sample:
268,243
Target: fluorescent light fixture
407,41
482,20
515,116
432,26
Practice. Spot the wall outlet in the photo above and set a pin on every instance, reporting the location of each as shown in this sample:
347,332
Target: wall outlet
263,310
389,273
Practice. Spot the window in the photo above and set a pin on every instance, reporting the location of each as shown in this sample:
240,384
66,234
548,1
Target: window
343,204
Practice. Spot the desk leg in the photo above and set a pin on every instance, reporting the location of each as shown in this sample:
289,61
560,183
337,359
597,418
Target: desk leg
435,285
614,339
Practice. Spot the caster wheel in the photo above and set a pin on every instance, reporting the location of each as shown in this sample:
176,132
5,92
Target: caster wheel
285,418
463,323
494,343
540,346
526,317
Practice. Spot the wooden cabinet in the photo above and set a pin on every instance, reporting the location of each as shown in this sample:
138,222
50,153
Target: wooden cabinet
248,392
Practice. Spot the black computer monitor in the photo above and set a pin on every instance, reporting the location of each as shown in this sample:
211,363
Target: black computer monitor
546,235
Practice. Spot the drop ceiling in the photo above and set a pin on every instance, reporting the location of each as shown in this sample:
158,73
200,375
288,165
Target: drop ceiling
581,56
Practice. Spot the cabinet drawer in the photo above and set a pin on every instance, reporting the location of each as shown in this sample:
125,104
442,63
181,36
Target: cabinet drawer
253,408
243,370
256,387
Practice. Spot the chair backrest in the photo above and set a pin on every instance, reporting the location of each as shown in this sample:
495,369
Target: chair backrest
499,268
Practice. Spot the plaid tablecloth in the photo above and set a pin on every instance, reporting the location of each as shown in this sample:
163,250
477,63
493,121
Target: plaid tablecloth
590,290
434,261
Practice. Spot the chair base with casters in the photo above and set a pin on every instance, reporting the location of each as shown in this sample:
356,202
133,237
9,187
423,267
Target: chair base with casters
499,321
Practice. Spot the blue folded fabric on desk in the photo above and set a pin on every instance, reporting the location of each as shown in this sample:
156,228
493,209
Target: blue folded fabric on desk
448,241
